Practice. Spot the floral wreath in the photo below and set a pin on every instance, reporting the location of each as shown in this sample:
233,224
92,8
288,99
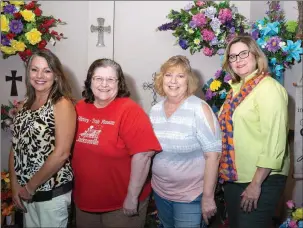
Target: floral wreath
205,25
24,29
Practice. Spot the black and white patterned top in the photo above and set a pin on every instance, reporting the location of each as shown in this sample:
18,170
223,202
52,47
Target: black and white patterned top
33,141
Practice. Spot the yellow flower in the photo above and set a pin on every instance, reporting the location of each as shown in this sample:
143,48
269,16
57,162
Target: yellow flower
197,41
17,3
2,4
215,85
28,15
4,24
8,50
298,214
33,36
5,177
17,45
190,31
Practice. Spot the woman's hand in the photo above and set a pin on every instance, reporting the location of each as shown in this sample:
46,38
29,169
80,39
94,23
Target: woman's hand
209,208
250,197
16,188
25,194
130,205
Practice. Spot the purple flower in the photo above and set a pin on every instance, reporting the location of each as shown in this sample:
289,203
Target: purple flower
232,30
170,26
208,94
227,77
9,9
188,6
273,44
221,51
183,44
215,24
255,34
218,74
192,24
4,40
214,41
16,26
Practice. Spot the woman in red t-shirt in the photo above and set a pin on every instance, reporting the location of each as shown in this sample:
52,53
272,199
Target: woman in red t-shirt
112,154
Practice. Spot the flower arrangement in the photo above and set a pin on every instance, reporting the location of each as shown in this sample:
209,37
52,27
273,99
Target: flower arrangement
24,29
216,89
205,25
295,216
7,114
276,37
7,206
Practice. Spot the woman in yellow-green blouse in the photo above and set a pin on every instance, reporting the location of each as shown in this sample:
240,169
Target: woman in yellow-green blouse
254,121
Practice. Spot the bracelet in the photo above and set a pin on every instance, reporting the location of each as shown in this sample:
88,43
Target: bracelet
28,190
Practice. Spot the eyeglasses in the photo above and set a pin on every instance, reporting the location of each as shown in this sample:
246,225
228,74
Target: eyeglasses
109,81
242,55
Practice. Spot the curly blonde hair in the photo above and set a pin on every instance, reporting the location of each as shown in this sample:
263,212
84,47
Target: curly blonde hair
178,61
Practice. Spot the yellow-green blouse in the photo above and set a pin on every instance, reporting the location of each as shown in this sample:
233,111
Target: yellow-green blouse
260,125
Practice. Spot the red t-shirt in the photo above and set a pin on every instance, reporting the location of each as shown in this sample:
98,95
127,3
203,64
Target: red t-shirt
105,140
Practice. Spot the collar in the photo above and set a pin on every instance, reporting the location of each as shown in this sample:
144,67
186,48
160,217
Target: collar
236,86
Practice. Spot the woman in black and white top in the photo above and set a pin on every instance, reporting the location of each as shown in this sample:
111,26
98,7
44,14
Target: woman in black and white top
43,132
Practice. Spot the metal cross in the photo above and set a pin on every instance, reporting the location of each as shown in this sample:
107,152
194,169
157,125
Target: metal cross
151,86
13,78
100,29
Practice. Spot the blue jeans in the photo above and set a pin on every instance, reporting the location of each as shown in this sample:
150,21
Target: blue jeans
179,215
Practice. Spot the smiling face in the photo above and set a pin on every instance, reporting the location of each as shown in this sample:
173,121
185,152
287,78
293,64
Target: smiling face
41,76
104,85
175,83
242,66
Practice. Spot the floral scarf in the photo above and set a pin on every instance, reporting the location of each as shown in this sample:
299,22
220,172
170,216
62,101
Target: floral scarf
227,167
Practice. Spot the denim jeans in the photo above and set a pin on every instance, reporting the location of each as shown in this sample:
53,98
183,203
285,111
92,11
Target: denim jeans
178,214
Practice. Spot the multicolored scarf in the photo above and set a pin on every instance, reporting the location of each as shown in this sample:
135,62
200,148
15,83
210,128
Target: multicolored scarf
227,167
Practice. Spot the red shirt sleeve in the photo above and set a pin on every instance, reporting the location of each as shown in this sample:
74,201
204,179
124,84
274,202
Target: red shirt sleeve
136,131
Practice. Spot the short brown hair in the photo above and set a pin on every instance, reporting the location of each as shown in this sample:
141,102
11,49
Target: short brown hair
177,61
123,90
61,86
253,47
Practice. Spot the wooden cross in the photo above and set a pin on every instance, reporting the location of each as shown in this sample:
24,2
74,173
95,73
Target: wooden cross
13,78
151,86
100,29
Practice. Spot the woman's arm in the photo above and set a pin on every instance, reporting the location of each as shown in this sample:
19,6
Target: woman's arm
212,159
65,125
140,166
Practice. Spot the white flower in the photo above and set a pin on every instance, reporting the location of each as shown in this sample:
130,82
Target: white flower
281,44
210,12
190,31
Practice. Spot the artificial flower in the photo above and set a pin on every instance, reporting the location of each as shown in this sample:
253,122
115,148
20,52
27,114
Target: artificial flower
16,26
215,85
17,3
8,50
9,9
18,45
28,15
33,36
291,26
290,204
298,214
4,24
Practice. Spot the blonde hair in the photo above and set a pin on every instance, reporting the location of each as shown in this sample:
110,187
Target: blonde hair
177,61
261,59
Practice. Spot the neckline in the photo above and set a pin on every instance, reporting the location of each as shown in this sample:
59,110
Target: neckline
38,109
163,108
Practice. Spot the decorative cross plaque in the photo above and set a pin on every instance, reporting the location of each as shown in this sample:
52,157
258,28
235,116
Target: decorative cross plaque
100,29
13,78
151,86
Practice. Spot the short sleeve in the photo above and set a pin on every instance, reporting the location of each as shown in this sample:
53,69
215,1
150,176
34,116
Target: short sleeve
208,133
136,131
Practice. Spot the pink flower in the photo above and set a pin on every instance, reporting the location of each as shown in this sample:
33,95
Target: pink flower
293,224
200,3
290,204
208,51
207,35
225,15
199,19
